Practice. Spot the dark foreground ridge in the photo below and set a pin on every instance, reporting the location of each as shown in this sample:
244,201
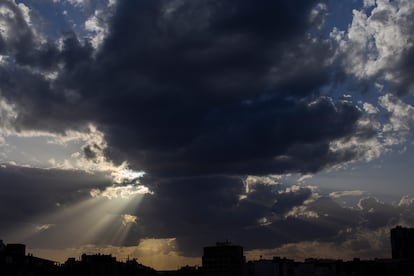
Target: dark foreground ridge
223,259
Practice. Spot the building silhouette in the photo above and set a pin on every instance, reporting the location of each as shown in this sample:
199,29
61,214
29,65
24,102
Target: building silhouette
104,265
273,267
402,243
15,262
223,259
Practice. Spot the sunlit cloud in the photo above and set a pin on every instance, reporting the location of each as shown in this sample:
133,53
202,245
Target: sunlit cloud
251,180
123,192
303,178
269,180
397,130
362,147
406,201
43,227
301,211
123,174
338,194
376,39
8,114
127,218
80,149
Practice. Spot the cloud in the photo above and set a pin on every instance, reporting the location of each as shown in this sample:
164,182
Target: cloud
127,218
364,143
406,201
88,143
219,95
267,217
339,194
98,24
377,213
43,227
378,43
121,191
231,104
78,2
360,244
401,118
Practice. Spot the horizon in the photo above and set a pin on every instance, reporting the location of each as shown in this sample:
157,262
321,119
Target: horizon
152,128
166,265
248,257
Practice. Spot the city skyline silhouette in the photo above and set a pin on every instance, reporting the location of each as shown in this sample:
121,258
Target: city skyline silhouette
223,258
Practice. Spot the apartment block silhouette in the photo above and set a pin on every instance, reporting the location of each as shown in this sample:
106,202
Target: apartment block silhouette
402,243
223,259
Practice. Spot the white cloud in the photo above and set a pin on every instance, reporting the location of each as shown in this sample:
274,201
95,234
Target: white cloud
385,135
79,3
26,13
369,204
400,121
370,109
123,192
90,140
303,178
369,3
97,25
376,39
16,22
252,180
268,180
301,211
363,148
406,201
112,3
5,16
8,114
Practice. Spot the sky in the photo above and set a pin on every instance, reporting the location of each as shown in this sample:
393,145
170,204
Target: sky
149,129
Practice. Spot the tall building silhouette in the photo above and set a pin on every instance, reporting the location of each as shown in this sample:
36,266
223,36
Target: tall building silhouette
402,242
223,259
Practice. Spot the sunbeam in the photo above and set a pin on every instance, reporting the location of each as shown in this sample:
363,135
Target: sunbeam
96,219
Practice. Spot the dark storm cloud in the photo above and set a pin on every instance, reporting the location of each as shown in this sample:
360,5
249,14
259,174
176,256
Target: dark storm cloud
192,90
199,211
285,201
226,93
378,214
